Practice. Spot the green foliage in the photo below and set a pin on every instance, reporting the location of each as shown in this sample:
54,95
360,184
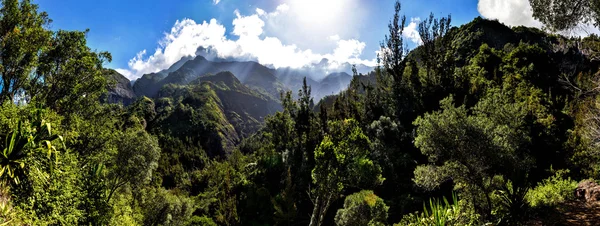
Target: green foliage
341,161
28,139
162,207
482,109
562,15
136,160
362,208
442,213
24,36
552,191
52,194
55,68
219,199
70,78
472,149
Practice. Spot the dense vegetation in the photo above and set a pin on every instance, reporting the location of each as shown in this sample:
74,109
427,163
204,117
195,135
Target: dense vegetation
481,124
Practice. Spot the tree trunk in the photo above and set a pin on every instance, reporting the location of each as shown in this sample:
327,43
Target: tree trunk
320,210
324,210
313,217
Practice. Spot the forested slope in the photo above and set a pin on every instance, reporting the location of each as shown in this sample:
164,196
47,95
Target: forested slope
499,122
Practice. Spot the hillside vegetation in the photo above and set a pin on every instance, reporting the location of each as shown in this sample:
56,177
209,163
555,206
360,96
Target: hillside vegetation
483,124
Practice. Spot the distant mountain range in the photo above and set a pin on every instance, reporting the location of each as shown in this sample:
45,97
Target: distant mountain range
225,101
264,80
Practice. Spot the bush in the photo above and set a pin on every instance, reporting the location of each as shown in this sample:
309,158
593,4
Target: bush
362,208
552,191
442,213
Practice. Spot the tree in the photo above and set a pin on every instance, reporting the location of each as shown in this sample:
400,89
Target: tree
560,15
438,64
136,160
23,37
341,160
432,32
362,208
56,68
70,76
476,150
392,59
162,207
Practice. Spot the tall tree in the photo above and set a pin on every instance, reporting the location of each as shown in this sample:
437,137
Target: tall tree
56,68
474,149
392,59
341,161
69,78
135,161
560,15
23,37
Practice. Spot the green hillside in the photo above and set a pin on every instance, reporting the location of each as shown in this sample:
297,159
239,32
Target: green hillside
481,124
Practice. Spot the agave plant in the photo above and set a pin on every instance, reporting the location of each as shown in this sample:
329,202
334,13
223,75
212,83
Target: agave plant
25,140
441,213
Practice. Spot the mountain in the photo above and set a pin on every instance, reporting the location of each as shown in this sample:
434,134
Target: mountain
293,78
222,102
147,84
332,84
120,90
218,109
177,65
252,74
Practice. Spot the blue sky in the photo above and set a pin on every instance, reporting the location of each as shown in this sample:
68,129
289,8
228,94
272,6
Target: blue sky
273,32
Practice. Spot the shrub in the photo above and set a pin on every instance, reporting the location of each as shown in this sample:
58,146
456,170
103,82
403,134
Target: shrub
442,213
552,191
362,208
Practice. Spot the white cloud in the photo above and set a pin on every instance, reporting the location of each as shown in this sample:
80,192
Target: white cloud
247,26
128,74
216,1
183,40
260,12
348,49
519,13
187,36
509,12
282,8
411,31
306,22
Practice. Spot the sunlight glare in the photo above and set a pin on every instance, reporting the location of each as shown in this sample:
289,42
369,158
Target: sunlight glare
324,13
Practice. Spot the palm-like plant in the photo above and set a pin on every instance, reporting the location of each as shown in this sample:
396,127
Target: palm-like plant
441,213
25,140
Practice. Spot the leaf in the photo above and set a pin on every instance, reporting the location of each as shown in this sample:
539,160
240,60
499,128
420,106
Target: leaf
48,127
49,148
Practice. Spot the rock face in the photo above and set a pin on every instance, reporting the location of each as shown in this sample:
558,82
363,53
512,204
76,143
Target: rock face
121,91
588,190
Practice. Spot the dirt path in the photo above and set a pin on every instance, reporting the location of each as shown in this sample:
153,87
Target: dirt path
575,213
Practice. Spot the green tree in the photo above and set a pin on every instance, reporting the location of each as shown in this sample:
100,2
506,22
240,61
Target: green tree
163,207
475,150
362,208
55,68
341,161
136,160
70,76
23,37
560,15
